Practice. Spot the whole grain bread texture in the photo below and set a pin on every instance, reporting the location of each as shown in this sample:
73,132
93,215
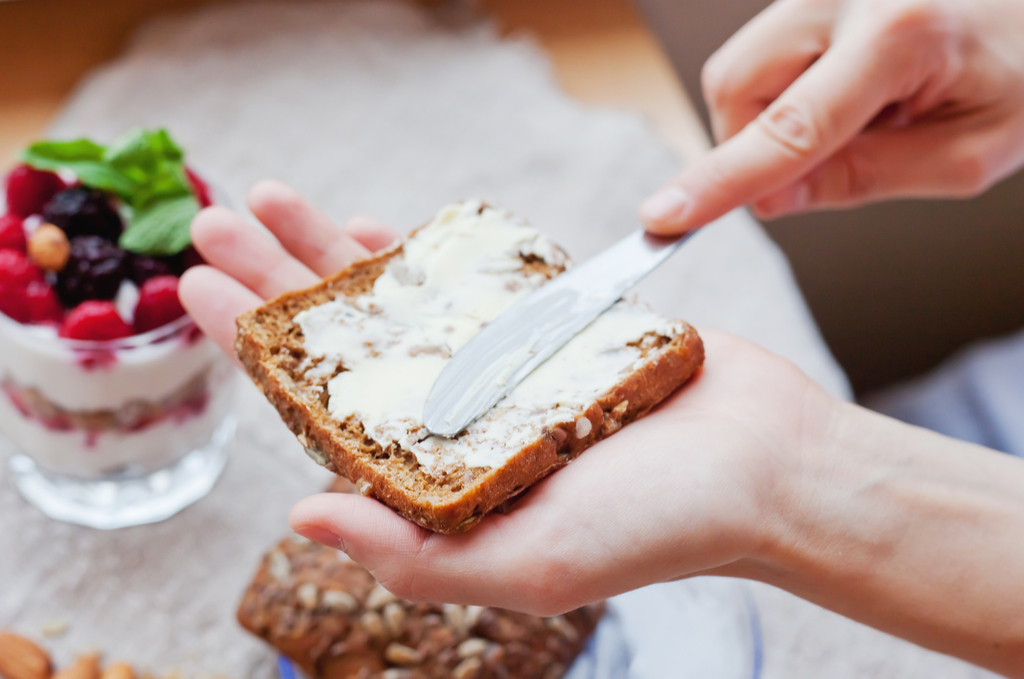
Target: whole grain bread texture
329,616
270,346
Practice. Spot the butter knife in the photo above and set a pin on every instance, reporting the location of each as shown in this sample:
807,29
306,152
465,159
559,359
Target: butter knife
529,332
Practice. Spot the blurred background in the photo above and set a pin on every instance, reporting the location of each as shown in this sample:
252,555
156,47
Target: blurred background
894,288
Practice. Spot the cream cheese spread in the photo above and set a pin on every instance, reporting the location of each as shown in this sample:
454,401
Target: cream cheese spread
455,275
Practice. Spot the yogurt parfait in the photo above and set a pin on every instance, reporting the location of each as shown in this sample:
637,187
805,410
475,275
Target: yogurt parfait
115,403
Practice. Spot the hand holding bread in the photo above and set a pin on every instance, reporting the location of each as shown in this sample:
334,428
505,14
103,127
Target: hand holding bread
749,470
689,476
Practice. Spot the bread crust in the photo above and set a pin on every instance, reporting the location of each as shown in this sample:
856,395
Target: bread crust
269,346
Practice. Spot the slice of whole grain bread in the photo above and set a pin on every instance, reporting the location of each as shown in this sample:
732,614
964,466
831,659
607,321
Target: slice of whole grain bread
330,617
270,346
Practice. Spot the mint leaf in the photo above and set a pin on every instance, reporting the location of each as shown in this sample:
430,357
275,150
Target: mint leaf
162,229
146,169
143,147
152,160
74,150
82,157
100,176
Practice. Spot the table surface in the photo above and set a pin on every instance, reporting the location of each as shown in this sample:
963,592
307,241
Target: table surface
603,54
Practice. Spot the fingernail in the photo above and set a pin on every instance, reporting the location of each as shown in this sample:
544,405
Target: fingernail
323,536
668,205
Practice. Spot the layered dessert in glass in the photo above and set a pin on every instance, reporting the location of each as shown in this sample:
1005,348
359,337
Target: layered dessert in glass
117,405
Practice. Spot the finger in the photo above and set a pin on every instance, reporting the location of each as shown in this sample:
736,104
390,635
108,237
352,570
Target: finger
825,108
943,160
215,300
415,563
304,231
248,254
372,234
762,59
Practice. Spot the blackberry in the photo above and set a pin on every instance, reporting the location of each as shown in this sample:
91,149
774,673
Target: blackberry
94,270
190,257
82,211
143,268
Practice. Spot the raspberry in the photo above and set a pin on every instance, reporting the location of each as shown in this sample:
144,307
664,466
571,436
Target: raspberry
158,304
12,232
16,271
28,189
200,188
82,211
13,303
43,305
94,270
16,274
93,320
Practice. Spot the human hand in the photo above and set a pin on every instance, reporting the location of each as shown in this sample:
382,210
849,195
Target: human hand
247,266
692,488
701,485
749,470
833,103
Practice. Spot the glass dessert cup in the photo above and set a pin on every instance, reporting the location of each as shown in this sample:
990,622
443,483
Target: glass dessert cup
114,433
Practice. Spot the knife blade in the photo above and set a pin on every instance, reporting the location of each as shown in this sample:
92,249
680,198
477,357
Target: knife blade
529,332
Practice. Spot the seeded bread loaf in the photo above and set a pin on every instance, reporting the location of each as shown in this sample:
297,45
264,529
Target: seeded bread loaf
332,619
444,485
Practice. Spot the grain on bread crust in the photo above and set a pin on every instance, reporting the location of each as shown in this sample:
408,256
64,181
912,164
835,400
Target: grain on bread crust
329,616
270,346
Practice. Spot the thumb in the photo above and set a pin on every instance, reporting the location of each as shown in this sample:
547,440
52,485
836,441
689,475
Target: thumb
478,567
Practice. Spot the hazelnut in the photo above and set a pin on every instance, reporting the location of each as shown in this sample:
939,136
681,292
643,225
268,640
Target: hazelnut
48,247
